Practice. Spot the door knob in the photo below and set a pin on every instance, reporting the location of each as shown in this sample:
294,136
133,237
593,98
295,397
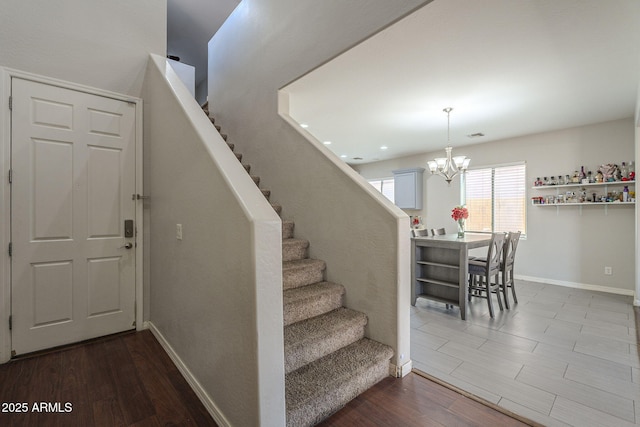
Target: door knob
127,245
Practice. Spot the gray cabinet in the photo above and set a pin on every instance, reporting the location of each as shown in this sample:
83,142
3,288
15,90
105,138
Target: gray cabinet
408,188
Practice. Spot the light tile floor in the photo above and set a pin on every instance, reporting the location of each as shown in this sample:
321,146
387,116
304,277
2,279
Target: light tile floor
561,356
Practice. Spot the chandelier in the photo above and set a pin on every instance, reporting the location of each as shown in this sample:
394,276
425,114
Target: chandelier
448,167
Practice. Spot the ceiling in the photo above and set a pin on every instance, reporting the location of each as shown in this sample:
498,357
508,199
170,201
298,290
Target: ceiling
507,68
190,26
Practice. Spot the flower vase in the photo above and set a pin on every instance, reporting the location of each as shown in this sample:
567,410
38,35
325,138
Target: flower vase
460,228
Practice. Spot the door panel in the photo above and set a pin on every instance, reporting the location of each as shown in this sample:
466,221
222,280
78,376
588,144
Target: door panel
52,287
104,195
73,165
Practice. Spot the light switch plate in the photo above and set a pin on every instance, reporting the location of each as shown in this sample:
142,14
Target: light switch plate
179,231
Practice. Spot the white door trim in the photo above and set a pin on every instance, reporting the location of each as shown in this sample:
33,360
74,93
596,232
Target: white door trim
5,226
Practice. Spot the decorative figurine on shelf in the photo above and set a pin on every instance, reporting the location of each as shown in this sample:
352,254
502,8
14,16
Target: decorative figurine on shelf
460,214
599,176
608,172
617,175
416,222
575,179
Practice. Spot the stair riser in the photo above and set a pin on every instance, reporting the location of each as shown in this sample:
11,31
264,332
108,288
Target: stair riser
287,230
302,277
308,308
293,252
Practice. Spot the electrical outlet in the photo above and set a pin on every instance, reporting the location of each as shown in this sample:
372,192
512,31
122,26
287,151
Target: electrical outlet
179,231
608,271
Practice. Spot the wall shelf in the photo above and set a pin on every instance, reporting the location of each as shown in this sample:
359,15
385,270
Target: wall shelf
585,187
586,204
595,184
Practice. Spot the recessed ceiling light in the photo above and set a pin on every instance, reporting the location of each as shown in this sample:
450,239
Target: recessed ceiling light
327,143
304,125
344,156
384,147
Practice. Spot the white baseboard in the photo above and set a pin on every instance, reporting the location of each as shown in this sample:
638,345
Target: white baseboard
586,286
400,371
204,397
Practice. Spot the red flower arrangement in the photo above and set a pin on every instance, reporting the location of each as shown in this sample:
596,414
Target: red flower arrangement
459,212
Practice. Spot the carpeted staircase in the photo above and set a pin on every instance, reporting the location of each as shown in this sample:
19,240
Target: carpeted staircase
328,360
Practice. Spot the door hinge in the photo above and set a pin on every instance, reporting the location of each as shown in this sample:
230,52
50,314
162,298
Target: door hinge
10,322
10,176
10,102
10,249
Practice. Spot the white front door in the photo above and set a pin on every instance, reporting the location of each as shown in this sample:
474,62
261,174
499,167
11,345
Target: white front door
73,177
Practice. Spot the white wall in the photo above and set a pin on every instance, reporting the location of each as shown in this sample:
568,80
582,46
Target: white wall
562,245
103,44
216,295
264,45
100,44
187,74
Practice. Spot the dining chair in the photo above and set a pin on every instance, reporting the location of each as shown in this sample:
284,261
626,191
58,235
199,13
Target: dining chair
506,266
438,232
419,232
481,272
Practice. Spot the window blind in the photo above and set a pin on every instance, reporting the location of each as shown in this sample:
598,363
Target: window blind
496,199
385,186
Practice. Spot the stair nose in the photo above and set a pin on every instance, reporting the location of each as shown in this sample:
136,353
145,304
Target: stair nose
294,249
302,272
311,339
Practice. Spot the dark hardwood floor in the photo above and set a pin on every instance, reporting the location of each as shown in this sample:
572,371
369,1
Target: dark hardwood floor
128,380
124,380
414,401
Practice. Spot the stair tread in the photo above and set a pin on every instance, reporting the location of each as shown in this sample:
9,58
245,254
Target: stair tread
310,330
311,291
326,378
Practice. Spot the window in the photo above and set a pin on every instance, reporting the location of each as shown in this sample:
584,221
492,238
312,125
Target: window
496,199
385,186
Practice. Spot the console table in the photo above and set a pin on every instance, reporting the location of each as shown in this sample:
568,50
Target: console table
440,266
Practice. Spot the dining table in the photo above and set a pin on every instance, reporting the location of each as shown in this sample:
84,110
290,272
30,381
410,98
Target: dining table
440,267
